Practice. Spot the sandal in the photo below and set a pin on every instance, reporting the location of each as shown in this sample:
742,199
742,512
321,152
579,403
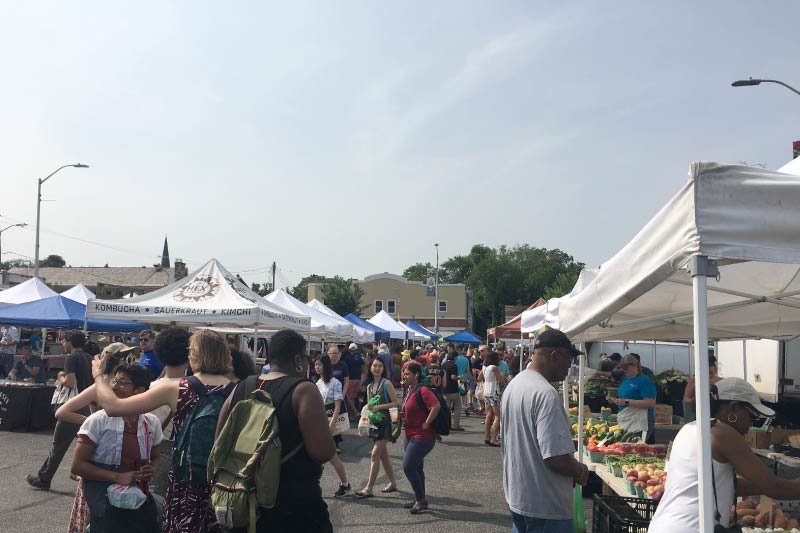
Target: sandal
391,487
364,493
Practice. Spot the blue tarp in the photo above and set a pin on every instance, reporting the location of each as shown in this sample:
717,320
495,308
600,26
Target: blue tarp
419,328
464,336
380,333
61,313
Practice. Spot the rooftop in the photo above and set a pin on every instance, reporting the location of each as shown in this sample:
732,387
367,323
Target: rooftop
93,276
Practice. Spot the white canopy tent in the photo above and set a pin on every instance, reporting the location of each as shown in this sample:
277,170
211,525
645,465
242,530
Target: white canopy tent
720,260
28,291
396,329
79,293
322,326
360,335
209,296
792,167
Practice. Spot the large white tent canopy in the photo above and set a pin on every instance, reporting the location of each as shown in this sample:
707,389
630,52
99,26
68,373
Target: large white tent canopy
79,293
360,335
209,296
28,291
322,325
746,219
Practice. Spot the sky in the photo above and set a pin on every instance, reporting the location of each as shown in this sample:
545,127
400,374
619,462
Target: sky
349,137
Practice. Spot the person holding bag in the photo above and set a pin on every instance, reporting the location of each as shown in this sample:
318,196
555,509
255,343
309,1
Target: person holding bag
379,386
331,390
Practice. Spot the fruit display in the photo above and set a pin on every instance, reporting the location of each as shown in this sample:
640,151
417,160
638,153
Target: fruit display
604,433
764,517
648,478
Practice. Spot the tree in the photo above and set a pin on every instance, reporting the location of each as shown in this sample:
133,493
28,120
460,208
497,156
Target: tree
262,289
562,285
343,295
300,291
53,261
418,272
16,263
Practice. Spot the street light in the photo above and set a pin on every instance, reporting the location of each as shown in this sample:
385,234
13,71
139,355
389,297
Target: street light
750,82
38,211
21,225
436,292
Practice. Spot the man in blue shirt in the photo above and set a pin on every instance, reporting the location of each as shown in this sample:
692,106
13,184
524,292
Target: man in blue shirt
31,366
147,341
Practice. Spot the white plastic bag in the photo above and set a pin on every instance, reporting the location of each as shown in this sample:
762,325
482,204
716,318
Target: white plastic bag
363,422
125,496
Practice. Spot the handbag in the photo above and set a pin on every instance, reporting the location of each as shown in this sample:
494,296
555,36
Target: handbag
363,422
342,424
62,395
479,392
719,528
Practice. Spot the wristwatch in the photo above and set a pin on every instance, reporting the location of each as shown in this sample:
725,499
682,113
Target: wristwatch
627,402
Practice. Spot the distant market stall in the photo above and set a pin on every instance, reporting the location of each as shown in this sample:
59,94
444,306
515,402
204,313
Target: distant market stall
27,291
209,296
379,333
59,312
465,337
360,335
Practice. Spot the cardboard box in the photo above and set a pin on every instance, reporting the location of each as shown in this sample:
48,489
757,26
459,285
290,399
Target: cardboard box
779,436
758,439
663,414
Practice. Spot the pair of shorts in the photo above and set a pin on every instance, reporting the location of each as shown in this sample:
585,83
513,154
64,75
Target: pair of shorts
494,399
353,387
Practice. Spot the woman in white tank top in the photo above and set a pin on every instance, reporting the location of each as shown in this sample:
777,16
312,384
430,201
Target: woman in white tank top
493,380
736,405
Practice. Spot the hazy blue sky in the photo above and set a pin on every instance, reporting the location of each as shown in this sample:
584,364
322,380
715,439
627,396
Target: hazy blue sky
348,137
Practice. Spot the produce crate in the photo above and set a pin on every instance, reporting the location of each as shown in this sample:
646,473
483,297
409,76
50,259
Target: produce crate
631,487
615,514
597,457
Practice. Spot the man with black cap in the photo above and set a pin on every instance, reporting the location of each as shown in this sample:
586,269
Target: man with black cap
539,469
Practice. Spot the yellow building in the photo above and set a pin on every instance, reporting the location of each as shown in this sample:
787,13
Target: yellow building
412,300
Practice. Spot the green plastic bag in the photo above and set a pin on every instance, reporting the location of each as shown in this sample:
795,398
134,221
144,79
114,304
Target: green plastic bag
578,517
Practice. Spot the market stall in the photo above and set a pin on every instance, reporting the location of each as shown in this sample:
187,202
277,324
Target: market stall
27,291
360,335
25,406
379,333
323,327
720,260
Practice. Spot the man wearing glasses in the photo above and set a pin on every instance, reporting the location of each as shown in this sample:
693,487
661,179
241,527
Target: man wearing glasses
147,341
539,469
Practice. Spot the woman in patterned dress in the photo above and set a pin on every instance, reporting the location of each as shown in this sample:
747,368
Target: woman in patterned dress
187,508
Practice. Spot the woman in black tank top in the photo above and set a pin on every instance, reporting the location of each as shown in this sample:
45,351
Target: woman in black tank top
301,415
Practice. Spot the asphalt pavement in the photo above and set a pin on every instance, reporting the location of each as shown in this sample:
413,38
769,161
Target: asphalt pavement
463,477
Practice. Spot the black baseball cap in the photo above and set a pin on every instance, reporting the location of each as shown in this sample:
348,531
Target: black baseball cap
553,338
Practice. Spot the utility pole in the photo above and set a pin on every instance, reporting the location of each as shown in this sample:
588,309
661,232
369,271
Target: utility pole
436,291
273,276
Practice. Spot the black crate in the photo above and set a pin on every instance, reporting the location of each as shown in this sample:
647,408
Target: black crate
615,514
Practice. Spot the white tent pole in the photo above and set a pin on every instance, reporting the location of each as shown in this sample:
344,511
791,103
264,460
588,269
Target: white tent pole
85,324
255,343
744,359
581,362
655,365
701,268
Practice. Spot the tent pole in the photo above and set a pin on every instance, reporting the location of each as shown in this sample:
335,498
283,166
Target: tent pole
85,324
255,344
655,366
701,268
581,362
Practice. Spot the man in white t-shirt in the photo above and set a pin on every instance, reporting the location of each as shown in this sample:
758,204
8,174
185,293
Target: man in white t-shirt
539,469
9,337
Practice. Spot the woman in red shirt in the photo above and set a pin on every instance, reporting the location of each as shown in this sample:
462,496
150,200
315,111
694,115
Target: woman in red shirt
420,437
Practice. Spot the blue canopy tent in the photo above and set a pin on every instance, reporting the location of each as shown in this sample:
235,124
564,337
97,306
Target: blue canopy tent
60,313
419,328
464,336
380,333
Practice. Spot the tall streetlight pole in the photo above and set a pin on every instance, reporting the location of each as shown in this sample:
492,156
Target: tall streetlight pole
38,213
751,82
22,225
436,292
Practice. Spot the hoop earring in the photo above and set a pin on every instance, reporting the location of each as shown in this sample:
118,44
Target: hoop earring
735,418
299,369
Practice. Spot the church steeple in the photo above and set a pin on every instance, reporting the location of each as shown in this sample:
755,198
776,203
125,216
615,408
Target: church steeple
165,255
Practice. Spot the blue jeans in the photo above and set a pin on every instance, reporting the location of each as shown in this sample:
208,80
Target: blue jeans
414,463
529,524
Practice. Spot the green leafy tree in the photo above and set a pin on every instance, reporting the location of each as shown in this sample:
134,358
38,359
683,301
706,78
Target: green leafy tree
16,263
417,272
562,285
300,291
262,289
343,295
53,261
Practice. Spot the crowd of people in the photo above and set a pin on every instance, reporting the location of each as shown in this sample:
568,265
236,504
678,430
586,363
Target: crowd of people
145,420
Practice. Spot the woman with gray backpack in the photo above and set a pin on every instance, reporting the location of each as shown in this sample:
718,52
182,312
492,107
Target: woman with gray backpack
281,490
